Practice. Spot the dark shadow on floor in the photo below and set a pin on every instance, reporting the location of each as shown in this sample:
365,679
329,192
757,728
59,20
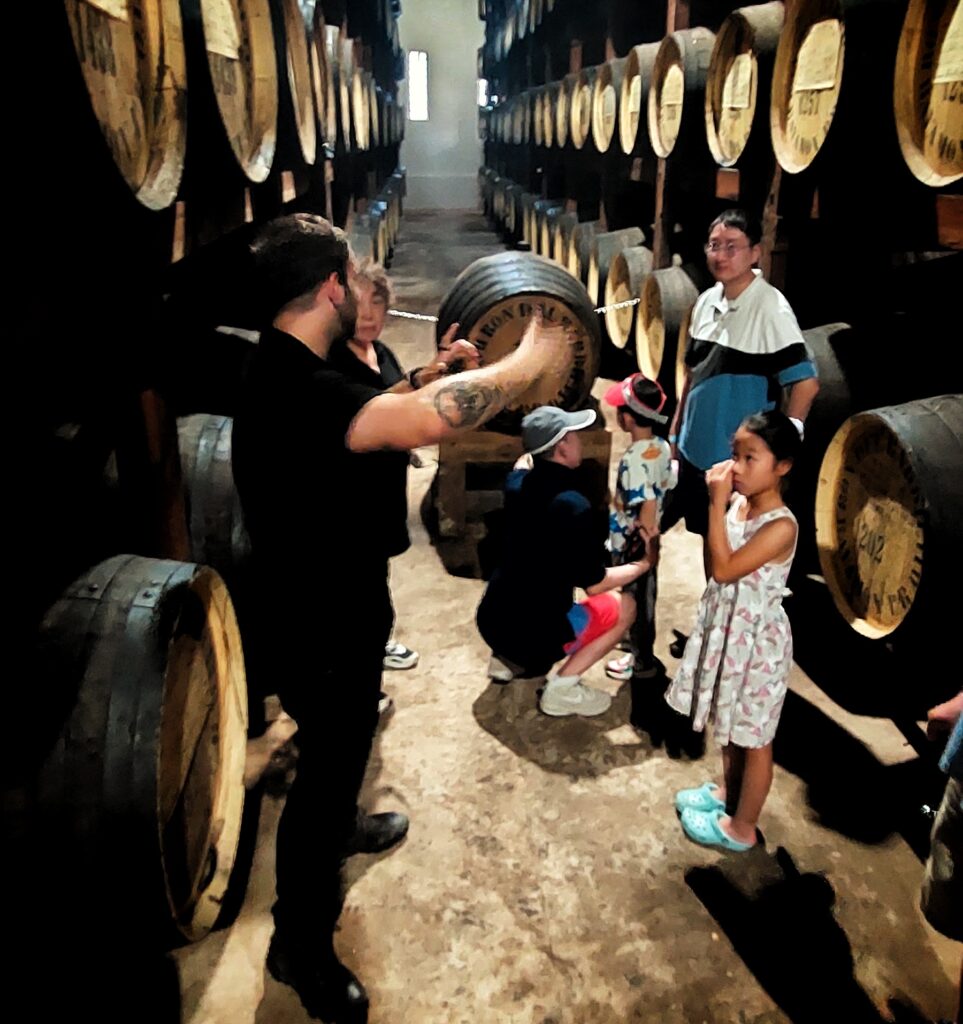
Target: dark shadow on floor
781,923
849,790
573,746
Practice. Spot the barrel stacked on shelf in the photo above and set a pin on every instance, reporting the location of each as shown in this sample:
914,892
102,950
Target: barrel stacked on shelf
239,108
648,130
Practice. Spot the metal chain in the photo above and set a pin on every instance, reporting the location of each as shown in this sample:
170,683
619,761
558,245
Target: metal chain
434,319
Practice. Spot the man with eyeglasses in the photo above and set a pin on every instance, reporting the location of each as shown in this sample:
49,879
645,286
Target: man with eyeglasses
744,348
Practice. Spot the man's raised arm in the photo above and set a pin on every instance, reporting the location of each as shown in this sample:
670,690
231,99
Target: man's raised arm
463,401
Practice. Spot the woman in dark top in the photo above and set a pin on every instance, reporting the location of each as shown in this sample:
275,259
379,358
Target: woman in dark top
369,361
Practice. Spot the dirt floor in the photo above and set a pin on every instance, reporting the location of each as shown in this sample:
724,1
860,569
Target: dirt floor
546,879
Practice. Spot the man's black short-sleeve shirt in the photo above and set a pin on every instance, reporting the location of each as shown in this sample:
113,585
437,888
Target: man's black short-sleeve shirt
311,509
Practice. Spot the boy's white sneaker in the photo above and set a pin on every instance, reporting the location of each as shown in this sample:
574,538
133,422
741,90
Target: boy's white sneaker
563,697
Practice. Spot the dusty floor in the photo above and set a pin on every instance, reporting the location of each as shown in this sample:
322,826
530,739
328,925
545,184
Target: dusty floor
546,880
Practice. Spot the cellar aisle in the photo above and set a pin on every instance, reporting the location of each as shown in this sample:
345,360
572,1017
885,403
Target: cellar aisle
545,879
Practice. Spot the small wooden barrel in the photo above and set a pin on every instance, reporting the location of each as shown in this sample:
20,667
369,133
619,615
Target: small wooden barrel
581,106
240,54
668,296
580,247
140,793
549,104
605,102
805,81
676,94
604,248
542,237
748,36
928,91
131,54
634,98
300,78
564,226
563,109
627,273
889,516
216,525
493,299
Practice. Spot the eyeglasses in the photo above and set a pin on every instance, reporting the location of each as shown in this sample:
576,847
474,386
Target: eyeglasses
729,248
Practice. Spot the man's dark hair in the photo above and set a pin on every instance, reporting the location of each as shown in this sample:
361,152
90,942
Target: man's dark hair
295,255
740,220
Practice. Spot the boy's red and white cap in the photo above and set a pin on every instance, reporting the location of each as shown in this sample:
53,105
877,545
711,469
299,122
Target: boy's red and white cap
625,393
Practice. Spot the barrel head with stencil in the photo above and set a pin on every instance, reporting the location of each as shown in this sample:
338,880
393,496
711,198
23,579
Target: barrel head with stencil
493,300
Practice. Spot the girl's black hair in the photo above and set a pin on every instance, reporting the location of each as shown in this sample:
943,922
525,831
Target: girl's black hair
740,220
777,431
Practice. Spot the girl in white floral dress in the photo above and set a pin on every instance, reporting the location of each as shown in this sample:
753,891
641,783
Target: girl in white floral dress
738,658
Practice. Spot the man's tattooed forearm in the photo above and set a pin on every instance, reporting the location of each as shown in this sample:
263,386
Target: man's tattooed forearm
468,403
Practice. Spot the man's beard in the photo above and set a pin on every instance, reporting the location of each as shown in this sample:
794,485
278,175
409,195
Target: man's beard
347,316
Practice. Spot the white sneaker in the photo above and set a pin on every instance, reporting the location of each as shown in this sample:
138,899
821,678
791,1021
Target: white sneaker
561,699
621,667
499,671
398,656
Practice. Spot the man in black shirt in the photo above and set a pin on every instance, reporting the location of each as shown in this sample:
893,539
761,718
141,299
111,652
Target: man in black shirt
314,513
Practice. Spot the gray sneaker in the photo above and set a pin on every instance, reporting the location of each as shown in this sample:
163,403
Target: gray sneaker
564,699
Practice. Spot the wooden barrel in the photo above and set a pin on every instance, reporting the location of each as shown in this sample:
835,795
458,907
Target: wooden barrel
513,212
537,124
327,44
360,116
889,510
746,39
493,298
542,237
134,66
216,525
377,215
927,90
527,227
549,105
580,247
677,90
634,98
563,109
344,70
550,229
564,225
627,273
522,8
605,102
300,78
668,296
604,248
805,81
376,101
240,54
139,797
580,108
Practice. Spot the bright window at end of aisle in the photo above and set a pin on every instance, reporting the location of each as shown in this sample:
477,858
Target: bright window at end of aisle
417,85
483,92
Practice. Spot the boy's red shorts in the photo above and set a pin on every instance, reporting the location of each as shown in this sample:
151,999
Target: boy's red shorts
591,618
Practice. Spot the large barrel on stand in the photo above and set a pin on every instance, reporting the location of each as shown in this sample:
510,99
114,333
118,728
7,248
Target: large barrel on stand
889,518
133,812
493,299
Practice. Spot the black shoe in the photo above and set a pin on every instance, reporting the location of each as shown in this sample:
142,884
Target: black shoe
677,647
327,989
375,833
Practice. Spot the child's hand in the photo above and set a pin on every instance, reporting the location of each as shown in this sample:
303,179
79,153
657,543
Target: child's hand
719,482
